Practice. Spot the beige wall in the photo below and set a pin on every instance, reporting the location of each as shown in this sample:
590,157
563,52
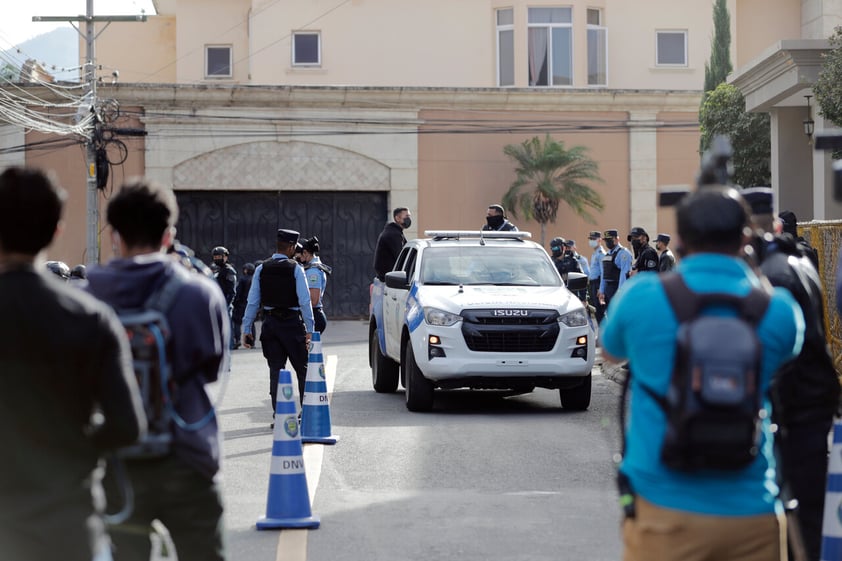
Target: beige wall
402,43
140,51
678,164
761,23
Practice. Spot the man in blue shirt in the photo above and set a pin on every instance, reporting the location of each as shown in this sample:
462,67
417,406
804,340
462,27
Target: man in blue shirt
616,265
722,515
595,273
279,287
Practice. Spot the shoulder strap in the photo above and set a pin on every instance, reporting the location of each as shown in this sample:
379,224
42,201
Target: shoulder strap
685,303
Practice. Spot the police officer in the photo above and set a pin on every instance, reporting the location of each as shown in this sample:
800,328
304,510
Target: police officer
595,273
806,390
238,309
666,259
616,266
317,273
279,288
496,221
224,274
646,256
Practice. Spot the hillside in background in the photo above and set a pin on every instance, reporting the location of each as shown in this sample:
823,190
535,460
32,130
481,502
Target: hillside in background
54,50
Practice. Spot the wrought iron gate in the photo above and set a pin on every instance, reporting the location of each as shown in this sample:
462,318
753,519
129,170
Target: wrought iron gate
346,223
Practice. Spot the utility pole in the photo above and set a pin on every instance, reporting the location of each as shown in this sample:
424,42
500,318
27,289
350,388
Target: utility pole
90,35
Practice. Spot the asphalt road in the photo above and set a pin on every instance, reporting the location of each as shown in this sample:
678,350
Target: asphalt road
484,476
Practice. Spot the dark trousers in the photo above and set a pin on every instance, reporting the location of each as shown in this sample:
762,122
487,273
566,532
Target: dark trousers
593,299
803,454
282,339
186,502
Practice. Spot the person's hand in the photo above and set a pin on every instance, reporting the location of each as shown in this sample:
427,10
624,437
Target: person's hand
248,340
307,338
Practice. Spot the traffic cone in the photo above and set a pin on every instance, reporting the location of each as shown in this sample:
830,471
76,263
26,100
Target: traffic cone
315,411
288,503
832,522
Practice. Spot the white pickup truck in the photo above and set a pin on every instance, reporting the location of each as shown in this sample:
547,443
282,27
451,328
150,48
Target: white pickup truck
483,310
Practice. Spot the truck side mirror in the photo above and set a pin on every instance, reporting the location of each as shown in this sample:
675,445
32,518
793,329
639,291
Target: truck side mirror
397,279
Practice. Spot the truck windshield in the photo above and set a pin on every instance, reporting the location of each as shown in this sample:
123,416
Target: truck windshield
489,264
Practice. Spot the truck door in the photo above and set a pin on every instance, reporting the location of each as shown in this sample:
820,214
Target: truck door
394,303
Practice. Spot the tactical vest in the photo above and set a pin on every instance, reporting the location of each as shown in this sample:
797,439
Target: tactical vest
610,270
277,284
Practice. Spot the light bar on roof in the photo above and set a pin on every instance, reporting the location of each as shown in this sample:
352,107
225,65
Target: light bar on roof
476,234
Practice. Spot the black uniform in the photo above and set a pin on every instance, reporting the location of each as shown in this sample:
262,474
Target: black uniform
647,259
239,306
666,262
568,263
389,245
805,391
226,277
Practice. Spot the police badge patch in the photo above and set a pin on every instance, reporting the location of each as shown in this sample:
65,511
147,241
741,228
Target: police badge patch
287,392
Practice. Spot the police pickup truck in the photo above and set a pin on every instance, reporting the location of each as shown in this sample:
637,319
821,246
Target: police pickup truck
481,310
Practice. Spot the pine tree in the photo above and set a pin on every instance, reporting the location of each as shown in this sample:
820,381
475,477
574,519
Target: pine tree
717,70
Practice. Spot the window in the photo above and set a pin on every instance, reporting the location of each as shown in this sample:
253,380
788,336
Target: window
597,41
306,49
550,46
218,61
671,48
505,48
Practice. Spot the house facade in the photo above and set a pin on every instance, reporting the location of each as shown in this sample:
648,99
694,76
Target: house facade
323,115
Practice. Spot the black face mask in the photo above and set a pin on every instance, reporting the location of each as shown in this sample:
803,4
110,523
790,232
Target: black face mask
406,222
218,262
568,253
637,244
556,251
494,221
610,243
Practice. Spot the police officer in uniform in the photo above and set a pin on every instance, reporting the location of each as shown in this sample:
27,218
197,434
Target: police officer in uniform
595,273
616,266
279,288
317,273
647,257
224,273
806,390
496,221
666,259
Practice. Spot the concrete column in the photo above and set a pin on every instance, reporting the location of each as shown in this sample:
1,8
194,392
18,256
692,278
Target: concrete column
643,171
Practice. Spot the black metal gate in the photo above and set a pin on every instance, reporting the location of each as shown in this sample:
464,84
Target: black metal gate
346,223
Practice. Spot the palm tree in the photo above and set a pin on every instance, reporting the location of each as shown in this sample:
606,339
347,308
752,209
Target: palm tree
555,174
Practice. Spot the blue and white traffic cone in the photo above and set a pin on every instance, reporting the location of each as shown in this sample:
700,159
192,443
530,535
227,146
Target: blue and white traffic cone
288,502
832,522
315,411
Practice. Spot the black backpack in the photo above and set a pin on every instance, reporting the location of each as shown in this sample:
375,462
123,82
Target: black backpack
149,338
714,404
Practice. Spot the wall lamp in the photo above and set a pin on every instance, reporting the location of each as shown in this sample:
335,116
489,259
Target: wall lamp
809,124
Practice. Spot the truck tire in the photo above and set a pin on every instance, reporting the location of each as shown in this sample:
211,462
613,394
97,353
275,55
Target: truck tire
419,390
384,370
578,398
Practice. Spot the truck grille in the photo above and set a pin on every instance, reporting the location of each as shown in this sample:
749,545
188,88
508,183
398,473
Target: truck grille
534,332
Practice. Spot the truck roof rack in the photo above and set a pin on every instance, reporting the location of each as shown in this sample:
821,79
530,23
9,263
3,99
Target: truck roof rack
476,234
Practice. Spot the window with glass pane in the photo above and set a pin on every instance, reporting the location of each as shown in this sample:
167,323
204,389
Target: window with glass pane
550,38
218,62
305,49
672,48
597,56
505,48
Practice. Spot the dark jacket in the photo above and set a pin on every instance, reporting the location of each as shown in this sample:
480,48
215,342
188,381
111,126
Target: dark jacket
200,328
647,259
63,355
807,388
226,277
241,298
389,245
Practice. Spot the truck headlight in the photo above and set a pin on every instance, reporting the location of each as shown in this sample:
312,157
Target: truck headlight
434,316
576,318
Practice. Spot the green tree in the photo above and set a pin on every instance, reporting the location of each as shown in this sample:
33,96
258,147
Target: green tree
828,86
724,112
547,175
717,70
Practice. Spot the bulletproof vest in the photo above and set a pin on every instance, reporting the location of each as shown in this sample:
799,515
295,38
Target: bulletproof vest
610,270
277,284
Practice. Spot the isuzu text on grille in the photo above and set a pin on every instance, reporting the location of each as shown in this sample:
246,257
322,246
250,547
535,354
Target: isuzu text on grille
518,313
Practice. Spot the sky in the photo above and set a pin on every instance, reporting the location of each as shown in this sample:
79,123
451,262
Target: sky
16,23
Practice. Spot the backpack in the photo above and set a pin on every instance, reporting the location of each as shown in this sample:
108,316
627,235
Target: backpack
149,337
714,403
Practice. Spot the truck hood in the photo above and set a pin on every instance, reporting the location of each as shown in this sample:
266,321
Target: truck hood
453,299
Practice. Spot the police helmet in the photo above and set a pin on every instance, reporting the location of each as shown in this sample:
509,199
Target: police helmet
79,272
248,268
556,244
59,268
219,250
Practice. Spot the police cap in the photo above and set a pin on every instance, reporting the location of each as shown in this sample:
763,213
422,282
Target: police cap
610,234
312,245
759,199
289,236
248,268
219,250
636,231
594,235
569,243
665,238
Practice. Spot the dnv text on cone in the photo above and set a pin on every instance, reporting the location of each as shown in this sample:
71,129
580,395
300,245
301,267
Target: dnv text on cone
288,500
315,410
